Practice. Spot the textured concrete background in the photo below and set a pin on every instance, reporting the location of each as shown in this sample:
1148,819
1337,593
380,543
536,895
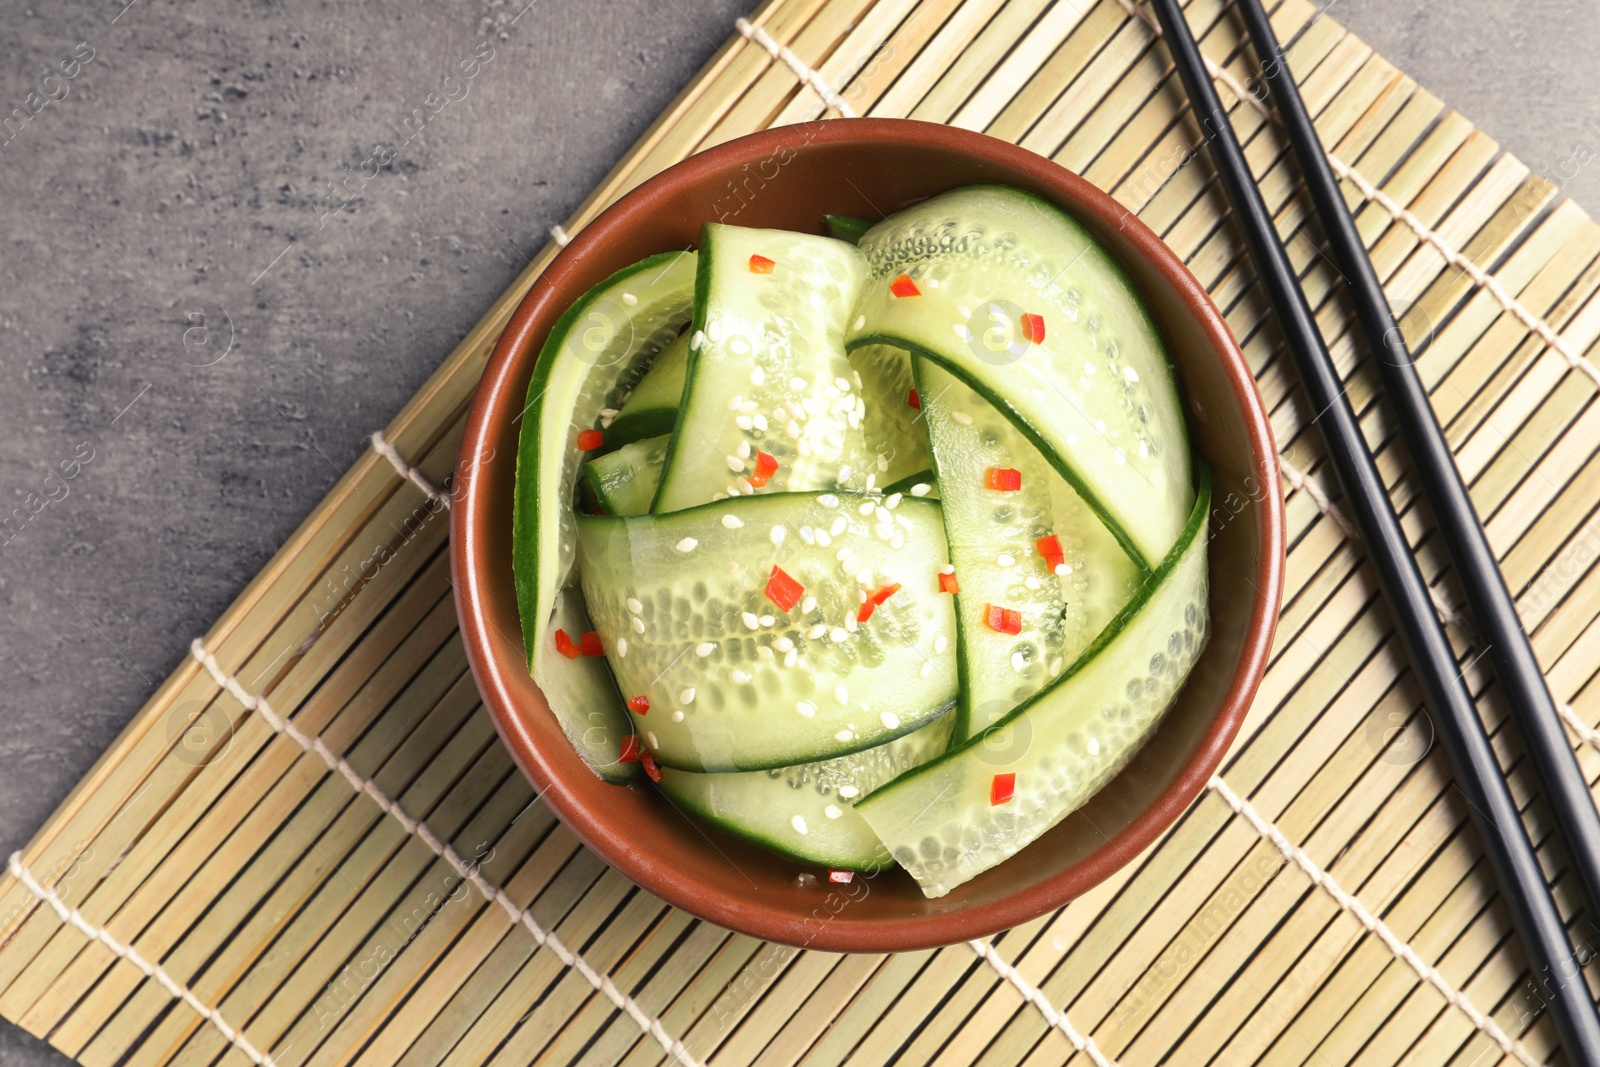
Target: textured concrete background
177,197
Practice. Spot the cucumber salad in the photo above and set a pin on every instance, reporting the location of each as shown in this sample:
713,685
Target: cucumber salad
885,547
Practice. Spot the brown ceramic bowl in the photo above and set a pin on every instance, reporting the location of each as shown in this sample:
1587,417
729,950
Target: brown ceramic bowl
789,178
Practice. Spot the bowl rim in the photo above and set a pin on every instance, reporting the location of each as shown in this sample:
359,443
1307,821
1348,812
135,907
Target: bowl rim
472,570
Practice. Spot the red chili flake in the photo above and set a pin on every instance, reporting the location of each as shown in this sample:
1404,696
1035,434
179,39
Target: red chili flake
651,767
639,704
1002,788
783,590
1050,549
761,265
597,510
630,749
948,583
1002,620
841,876
872,602
913,400
766,467
589,440
1033,329
1002,479
903,286
565,646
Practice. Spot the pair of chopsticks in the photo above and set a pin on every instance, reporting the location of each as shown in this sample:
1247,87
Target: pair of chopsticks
1478,774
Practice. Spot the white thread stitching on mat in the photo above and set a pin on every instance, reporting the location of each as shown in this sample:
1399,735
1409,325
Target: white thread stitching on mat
1034,996
806,75
1295,478
1509,1045
1480,277
73,917
383,448
1585,732
492,893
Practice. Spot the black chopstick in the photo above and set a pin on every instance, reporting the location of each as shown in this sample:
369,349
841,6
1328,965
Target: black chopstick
1477,773
1515,666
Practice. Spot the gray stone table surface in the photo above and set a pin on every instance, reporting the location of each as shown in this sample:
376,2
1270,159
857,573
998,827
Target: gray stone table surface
181,182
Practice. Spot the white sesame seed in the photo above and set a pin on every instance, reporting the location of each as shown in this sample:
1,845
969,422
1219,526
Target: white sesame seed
791,657
809,604
735,464
705,648
940,643
750,621
622,648
838,634
768,620
817,631
697,340
799,824
882,514
844,474
1056,665
739,346
850,623
686,696
832,811
946,568
778,534
861,320
783,644
740,677
864,576
609,413
1031,582
760,421
732,522
1018,664
806,709
1063,570
823,538
797,384
866,507
629,299
844,735
828,500
635,605
688,544
961,418
927,668
920,489
838,527
889,719
744,422
841,693
763,652
898,541
650,736
638,625
677,716
792,430
848,791
743,451
1005,559
1093,746
1130,374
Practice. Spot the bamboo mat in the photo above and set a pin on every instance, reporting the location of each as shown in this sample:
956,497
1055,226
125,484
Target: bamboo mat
310,848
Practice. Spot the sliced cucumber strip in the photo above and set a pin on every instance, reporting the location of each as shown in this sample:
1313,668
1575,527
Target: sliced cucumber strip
846,227
584,697
807,812
1018,300
624,482
961,814
895,435
652,408
743,671
767,371
1063,592
595,351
